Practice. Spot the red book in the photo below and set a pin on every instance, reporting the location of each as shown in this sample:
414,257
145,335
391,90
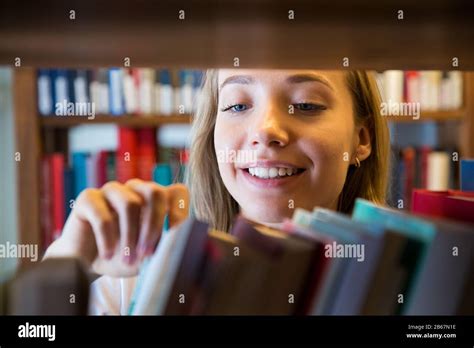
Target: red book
443,204
409,165
146,153
57,184
412,87
101,168
126,160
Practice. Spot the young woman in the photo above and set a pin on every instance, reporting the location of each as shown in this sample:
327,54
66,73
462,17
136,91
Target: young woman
296,138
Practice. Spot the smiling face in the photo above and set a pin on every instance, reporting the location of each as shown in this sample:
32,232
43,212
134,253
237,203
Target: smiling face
291,135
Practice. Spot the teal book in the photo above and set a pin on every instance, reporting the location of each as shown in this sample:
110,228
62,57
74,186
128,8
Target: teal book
351,294
79,167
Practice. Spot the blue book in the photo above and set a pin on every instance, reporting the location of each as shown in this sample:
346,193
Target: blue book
79,166
467,175
198,76
45,93
60,83
165,77
116,93
68,190
71,77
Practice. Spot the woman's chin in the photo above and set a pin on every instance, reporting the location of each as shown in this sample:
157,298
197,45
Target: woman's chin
269,213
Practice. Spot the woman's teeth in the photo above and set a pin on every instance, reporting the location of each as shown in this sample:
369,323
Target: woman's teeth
274,172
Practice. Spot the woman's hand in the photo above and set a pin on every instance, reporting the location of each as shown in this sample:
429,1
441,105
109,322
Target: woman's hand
113,228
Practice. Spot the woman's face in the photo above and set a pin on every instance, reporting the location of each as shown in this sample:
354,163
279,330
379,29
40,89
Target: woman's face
284,139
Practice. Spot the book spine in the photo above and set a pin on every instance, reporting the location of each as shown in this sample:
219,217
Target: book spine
438,171
57,175
46,202
116,91
45,97
146,153
80,172
126,160
467,175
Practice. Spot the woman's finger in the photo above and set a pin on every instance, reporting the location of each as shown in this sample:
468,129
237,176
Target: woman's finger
91,207
153,214
178,204
127,203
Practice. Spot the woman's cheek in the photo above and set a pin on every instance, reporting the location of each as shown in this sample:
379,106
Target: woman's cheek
224,143
329,168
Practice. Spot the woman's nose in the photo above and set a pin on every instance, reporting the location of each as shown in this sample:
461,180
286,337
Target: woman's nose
270,128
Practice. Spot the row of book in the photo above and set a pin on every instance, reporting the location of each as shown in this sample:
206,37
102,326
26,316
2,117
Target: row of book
63,177
117,91
424,168
434,90
379,261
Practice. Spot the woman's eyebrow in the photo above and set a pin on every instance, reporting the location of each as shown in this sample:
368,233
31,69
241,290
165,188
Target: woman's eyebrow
300,78
240,79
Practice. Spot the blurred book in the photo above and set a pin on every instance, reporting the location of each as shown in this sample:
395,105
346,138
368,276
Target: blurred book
118,91
433,90
380,261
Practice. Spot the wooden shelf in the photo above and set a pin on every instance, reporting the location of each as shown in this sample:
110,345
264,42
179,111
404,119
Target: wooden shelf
442,115
367,32
125,120
158,120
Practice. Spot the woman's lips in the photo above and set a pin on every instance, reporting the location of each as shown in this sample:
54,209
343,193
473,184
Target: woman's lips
278,181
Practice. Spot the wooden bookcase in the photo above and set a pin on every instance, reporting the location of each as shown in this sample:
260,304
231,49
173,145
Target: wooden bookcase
259,33
29,127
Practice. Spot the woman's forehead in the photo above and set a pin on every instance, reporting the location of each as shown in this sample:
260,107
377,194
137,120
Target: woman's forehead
331,78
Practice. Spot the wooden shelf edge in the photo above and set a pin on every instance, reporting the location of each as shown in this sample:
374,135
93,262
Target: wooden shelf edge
442,115
125,120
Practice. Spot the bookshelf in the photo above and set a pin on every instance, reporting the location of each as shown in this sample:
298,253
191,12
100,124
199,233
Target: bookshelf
125,120
29,126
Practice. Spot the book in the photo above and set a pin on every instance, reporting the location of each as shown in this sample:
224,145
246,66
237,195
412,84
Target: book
57,185
79,165
352,291
172,271
467,175
436,284
126,157
447,204
291,264
232,278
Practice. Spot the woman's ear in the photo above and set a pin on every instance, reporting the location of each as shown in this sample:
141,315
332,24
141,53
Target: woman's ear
363,147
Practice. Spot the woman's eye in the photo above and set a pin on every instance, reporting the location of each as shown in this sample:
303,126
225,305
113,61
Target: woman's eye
309,107
235,108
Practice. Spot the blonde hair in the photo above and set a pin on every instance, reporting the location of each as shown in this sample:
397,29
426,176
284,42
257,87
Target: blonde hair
210,200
